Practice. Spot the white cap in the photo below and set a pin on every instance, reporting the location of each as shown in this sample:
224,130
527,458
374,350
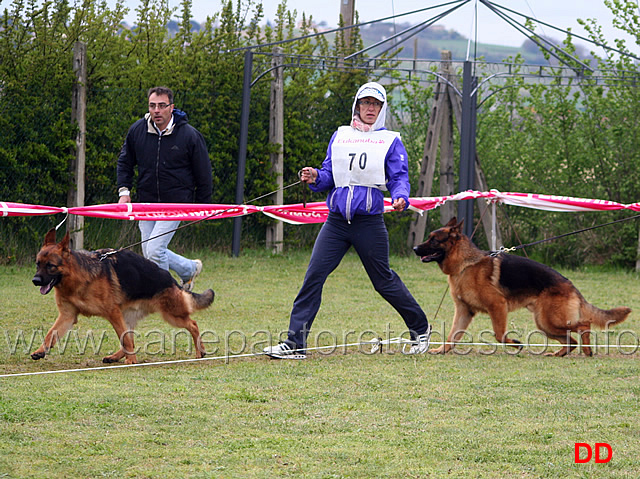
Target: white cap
371,90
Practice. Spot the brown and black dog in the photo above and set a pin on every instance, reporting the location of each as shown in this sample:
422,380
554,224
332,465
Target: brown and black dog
122,287
497,285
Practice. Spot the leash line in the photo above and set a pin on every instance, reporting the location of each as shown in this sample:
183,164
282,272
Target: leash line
375,343
191,223
444,294
504,212
162,363
514,248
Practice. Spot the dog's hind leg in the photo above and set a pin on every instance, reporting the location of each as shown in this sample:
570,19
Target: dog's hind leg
585,339
190,325
554,327
569,344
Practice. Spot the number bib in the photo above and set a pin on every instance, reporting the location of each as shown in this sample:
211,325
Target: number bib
358,158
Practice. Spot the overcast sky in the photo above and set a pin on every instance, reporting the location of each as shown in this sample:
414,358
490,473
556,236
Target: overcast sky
491,29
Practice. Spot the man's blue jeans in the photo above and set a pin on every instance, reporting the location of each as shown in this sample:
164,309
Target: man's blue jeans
157,249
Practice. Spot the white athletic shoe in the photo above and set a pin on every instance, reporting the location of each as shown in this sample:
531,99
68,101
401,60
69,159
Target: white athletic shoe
421,344
188,285
284,351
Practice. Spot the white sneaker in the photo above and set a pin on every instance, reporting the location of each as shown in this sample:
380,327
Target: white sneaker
188,285
284,351
421,344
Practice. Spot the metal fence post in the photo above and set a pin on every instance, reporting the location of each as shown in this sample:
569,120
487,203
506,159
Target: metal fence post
242,151
467,145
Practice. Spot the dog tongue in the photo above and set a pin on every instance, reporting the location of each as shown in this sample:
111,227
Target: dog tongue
45,289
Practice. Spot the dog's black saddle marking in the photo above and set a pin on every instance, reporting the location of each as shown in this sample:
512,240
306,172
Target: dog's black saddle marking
139,277
525,275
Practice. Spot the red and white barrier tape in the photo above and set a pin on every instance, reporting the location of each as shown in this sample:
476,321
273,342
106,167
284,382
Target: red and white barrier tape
305,214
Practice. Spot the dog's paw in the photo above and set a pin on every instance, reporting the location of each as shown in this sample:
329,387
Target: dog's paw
439,350
516,344
558,354
109,360
38,355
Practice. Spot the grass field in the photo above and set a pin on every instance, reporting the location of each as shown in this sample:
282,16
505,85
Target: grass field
483,412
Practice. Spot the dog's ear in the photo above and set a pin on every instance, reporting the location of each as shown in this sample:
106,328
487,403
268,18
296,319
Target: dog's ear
452,222
50,237
459,225
64,244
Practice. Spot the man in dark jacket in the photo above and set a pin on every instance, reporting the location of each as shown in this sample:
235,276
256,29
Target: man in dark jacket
173,167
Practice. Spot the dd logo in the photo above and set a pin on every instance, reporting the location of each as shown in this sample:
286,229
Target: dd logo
597,447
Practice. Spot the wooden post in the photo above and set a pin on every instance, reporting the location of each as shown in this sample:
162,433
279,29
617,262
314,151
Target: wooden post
347,11
429,157
638,255
275,233
447,105
491,228
75,197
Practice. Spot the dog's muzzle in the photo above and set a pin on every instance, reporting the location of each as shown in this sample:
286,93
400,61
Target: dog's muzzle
45,287
428,256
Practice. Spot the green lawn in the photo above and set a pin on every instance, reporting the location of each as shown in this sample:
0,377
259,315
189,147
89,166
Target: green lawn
482,413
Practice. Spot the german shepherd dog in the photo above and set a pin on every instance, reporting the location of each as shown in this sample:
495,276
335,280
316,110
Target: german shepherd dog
122,287
497,285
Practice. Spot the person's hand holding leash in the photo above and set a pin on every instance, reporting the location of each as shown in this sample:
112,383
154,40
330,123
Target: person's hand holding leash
399,204
308,175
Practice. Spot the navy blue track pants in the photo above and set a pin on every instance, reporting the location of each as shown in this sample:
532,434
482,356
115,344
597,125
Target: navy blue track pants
368,235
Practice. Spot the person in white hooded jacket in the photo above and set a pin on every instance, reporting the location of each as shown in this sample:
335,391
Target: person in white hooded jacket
363,160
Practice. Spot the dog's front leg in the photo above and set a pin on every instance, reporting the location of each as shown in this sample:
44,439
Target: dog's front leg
498,314
125,335
461,320
61,326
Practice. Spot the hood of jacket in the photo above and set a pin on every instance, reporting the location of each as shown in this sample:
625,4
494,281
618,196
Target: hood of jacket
378,92
179,117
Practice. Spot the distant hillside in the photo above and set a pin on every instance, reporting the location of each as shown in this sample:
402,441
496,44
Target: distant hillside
431,41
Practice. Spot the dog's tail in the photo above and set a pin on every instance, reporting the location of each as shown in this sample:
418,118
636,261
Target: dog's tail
603,318
204,300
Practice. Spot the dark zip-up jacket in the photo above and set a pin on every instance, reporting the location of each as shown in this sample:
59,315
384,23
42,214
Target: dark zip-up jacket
172,168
